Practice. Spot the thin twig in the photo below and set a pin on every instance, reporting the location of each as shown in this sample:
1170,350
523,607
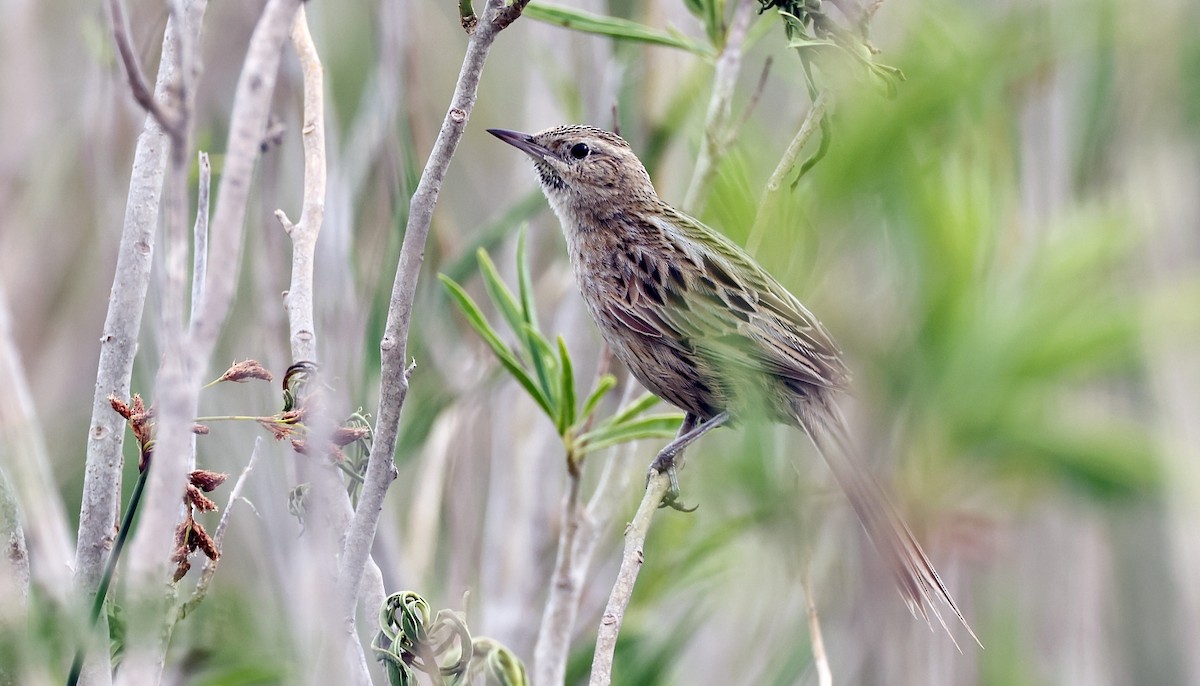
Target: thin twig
328,499
381,470
759,88
200,233
210,566
717,138
631,564
577,542
812,122
304,233
154,106
820,659
179,380
26,460
122,324
118,344
562,600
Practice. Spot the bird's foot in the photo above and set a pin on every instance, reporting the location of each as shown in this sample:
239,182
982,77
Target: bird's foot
665,464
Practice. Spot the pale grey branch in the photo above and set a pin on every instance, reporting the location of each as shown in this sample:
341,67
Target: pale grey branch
631,564
25,459
381,469
200,233
299,299
577,543
122,325
717,129
179,380
808,127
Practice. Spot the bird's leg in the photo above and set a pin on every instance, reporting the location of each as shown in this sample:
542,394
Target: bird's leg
690,430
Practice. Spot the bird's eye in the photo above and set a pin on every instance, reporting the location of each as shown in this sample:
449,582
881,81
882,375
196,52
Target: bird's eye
580,150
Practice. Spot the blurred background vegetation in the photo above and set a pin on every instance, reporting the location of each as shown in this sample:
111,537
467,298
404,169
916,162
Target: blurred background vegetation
1008,250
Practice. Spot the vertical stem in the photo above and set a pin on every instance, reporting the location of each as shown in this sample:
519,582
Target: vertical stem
810,125
393,383
631,564
716,140
562,601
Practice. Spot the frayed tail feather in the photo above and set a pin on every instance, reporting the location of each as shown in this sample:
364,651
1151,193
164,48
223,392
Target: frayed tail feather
916,579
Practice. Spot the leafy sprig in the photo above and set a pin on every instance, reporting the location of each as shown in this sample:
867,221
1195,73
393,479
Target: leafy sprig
546,371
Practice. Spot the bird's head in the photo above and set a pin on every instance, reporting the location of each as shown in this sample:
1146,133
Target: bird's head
582,167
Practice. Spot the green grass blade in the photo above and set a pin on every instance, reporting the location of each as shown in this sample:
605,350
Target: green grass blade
603,386
652,426
544,363
478,322
505,301
633,409
566,396
613,27
539,349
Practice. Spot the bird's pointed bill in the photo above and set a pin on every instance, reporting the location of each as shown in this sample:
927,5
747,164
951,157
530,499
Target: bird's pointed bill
521,141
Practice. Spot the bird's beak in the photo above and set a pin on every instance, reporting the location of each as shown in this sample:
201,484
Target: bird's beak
521,141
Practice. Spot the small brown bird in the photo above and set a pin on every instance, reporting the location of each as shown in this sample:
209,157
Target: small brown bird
704,327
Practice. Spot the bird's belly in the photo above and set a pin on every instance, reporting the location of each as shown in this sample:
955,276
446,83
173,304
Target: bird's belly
682,379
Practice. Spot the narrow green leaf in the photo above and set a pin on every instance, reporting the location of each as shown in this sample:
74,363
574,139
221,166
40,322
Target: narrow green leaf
604,385
566,397
500,294
525,279
633,409
613,27
543,360
478,322
652,426
714,20
533,336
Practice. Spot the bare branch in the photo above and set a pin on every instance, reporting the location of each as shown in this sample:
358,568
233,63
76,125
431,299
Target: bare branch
808,127
631,564
200,233
25,460
820,659
210,566
717,132
179,379
118,344
381,469
577,542
562,601
304,234
153,103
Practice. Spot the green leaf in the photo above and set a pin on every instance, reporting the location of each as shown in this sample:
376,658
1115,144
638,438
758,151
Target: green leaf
533,336
652,426
633,409
566,397
478,322
604,385
525,280
613,27
505,301
545,363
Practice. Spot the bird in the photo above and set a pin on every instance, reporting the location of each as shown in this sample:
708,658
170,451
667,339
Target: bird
703,326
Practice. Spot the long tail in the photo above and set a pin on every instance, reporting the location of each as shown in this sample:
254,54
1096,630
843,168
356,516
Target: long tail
916,578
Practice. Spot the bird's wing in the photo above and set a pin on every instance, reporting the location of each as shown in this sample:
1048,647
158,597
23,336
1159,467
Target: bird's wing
734,310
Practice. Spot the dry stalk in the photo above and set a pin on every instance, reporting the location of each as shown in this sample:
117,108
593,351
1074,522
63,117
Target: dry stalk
381,469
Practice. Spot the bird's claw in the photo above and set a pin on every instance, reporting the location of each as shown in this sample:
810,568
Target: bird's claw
671,497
